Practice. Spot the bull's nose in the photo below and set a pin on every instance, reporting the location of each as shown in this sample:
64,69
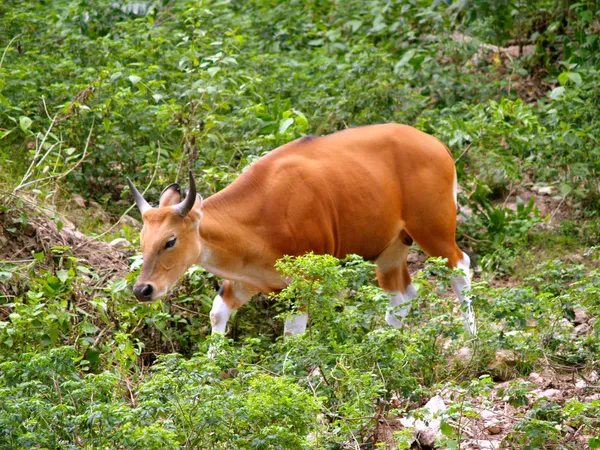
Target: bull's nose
143,292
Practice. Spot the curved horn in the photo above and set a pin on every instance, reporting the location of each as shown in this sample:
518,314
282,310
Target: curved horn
187,204
142,204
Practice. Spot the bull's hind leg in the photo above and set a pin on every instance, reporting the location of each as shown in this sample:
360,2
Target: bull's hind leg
393,277
436,237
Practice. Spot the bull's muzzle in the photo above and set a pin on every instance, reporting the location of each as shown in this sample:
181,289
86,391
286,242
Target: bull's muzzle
143,291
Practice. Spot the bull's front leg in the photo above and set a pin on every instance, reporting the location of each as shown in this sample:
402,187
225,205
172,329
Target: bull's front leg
232,295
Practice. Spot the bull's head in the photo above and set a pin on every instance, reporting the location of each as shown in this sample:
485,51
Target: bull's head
170,241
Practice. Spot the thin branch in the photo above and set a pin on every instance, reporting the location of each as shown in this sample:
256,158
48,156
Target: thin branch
33,161
7,47
64,174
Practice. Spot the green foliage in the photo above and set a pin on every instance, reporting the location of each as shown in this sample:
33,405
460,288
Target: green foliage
49,402
92,92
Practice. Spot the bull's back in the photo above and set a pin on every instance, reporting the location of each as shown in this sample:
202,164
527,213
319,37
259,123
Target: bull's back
349,192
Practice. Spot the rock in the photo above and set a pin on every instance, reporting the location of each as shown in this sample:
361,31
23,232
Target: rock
486,414
550,394
29,230
543,190
120,243
503,365
565,323
426,431
493,427
582,329
79,200
477,444
464,354
427,436
130,221
581,315
395,401
536,378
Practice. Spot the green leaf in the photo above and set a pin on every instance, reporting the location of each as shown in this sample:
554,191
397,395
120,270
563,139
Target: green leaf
134,79
119,285
5,276
557,92
594,442
89,328
354,25
563,78
25,122
447,430
574,77
285,124
92,355
212,71
46,341
405,59
63,275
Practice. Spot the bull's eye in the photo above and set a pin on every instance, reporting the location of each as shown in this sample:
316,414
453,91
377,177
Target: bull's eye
170,243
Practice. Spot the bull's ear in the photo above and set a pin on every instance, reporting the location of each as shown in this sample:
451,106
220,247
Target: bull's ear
170,196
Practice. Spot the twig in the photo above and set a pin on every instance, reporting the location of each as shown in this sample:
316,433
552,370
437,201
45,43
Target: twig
7,47
60,175
463,153
556,209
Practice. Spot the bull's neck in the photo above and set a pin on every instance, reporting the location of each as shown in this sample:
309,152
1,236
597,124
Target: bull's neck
213,228
222,235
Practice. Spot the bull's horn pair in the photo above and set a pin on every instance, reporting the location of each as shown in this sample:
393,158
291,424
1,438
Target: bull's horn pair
182,208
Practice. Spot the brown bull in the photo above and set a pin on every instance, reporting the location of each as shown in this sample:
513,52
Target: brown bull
368,191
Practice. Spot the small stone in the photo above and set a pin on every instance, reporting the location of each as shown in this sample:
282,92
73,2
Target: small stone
130,221
582,329
120,243
503,365
427,436
536,378
493,427
426,432
464,354
551,394
79,200
581,315
29,230
479,444
487,415
565,323
543,190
